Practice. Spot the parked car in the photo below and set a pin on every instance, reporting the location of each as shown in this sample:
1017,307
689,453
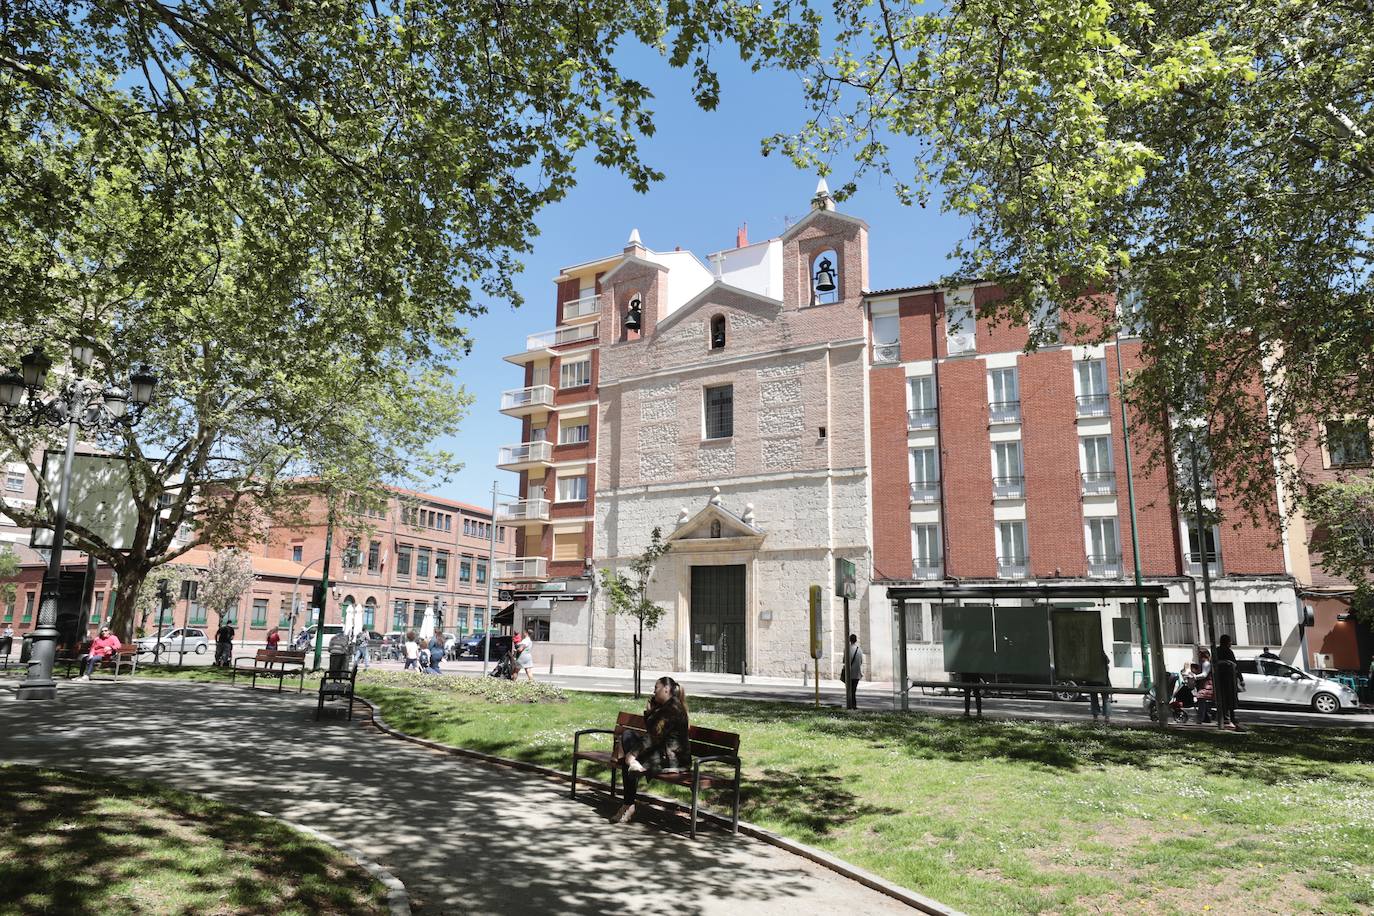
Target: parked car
1269,681
500,645
196,641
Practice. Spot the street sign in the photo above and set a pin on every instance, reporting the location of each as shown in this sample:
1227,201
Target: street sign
846,583
816,647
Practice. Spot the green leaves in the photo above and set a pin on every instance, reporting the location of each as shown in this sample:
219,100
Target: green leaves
628,595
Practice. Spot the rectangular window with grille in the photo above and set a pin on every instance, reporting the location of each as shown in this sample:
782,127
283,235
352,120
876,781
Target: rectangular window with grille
374,556
465,570
915,615
1224,618
422,562
1347,443
441,566
1262,624
398,614
1178,623
403,560
720,412
937,625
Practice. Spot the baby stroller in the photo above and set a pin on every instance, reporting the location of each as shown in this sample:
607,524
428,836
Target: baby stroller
504,668
1176,712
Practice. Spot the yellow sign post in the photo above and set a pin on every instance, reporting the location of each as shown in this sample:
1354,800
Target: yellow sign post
816,647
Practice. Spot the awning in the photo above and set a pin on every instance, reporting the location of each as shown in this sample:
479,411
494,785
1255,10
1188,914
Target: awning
504,617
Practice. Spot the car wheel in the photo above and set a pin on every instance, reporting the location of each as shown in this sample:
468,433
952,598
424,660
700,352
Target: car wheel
1326,703
1064,691
200,649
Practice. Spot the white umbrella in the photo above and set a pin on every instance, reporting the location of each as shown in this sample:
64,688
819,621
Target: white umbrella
351,620
427,625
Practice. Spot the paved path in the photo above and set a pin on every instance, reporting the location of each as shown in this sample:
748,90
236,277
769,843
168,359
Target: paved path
464,838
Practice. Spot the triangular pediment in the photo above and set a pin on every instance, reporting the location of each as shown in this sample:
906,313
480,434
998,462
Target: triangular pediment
716,525
628,262
722,294
822,216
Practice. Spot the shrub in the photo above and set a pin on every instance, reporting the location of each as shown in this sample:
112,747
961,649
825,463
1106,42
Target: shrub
488,689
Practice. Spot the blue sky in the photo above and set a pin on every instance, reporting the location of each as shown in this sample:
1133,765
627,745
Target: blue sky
716,180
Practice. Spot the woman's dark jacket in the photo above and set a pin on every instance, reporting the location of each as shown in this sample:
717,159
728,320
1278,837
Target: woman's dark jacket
666,730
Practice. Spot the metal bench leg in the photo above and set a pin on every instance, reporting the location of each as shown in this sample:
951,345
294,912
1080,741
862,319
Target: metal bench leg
615,771
696,788
573,793
734,828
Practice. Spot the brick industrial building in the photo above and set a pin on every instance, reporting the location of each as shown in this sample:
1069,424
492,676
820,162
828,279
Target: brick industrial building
772,414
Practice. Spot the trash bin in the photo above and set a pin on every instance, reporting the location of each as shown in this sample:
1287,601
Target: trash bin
26,649
338,654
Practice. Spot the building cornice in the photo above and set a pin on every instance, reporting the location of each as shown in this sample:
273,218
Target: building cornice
734,361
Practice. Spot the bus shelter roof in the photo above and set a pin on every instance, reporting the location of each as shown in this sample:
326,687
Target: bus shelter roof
1013,590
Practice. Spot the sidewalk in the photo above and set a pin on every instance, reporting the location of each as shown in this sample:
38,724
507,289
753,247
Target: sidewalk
463,837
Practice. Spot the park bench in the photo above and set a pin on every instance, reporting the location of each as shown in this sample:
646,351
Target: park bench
267,663
709,746
125,656
337,683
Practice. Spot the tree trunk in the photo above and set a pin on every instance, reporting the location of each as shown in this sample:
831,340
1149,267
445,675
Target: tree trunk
126,601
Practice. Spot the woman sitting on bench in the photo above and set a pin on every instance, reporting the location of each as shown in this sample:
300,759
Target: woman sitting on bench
663,748
102,647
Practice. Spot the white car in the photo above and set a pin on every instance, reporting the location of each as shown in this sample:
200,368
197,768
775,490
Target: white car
1268,680
172,641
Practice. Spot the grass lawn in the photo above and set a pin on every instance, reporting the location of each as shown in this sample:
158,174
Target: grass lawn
75,843
999,817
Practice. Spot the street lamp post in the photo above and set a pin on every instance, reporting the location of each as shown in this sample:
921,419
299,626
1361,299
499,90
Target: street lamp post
81,403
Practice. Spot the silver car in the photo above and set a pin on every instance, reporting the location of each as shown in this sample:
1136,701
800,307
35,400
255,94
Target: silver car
1268,680
172,641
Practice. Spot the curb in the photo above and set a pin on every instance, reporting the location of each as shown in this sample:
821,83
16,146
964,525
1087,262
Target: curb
912,899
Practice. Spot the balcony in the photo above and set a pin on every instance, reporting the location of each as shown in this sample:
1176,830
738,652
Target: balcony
886,354
1099,483
925,492
1093,405
522,568
922,418
584,307
1195,563
1008,487
522,402
1013,567
924,569
1004,412
524,510
540,346
1104,566
525,456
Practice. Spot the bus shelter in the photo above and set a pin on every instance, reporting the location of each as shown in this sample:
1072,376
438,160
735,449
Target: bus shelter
1037,635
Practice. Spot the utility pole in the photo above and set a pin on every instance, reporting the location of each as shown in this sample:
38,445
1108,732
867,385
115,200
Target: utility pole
1130,501
324,578
491,582
1203,559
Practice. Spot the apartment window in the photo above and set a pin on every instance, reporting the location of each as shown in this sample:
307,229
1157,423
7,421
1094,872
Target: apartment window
1004,395
481,572
417,614
352,558
196,613
14,481
915,613
369,615
1195,552
1223,618
886,339
1104,552
441,566
1128,614
1009,479
464,615
937,623
925,543
538,627
1179,629
574,432
922,413
1011,548
568,545
259,612
422,563
398,614
501,534
1262,623
448,523
403,553
465,570
479,618
1098,475
1092,387
572,489
1347,443
960,327
467,527
720,412
231,616
95,607
374,556
1130,311
297,553
9,609
575,374
925,476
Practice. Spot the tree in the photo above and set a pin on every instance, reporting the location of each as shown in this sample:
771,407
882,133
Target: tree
627,596
289,211
147,600
227,575
1214,158
9,568
1342,513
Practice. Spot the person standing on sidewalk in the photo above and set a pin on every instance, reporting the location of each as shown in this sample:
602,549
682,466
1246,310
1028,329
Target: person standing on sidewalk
1226,678
523,648
224,645
853,672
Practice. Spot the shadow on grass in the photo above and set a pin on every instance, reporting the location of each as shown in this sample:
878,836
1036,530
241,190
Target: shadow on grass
76,844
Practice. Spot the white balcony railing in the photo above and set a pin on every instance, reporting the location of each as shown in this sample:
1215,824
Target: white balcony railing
1013,567
1008,487
1093,405
525,453
1099,483
922,418
1195,563
522,568
924,492
559,336
523,398
524,510
1004,412
582,307
1104,566
926,569
886,353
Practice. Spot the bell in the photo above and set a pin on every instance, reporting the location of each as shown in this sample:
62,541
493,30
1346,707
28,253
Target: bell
825,277
633,318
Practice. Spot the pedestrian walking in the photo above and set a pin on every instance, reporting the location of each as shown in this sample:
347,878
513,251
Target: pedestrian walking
853,672
436,653
662,748
224,645
102,647
972,693
273,639
362,656
412,650
523,647
1105,702
1226,678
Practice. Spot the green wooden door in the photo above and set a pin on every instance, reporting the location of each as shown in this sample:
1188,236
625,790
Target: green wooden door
718,619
